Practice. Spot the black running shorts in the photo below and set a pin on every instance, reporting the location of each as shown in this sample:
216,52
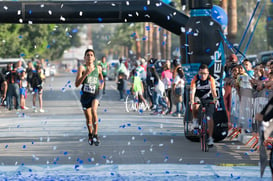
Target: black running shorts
87,99
209,109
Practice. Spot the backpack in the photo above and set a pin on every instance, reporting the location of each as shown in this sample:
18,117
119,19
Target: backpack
36,80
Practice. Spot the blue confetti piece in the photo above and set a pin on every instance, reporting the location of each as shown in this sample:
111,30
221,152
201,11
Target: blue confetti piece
6,146
65,153
48,46
22,54
144,38
20,36
75,30
217,176
145,8
29,170
128,91
89,159
139,128
122,126
76,167
81,93
74,70
105,110
133,34
100,19
163,43
99,120
101,81
55,163
140,111
147,28
112,174
207,50
167,172
104,157
32,142
128,124
30,12
24,146
81,161
144,140
18,126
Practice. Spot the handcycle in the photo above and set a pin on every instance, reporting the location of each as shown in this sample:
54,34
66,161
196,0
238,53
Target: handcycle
132,103
202,130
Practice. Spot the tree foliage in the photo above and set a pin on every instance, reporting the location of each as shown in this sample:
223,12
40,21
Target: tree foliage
40,41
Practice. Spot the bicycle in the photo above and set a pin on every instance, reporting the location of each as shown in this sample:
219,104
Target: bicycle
132,104
203,127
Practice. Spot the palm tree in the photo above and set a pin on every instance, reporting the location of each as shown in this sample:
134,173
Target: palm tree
232,17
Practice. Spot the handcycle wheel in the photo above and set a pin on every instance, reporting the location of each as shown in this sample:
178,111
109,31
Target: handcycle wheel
204,136
130,104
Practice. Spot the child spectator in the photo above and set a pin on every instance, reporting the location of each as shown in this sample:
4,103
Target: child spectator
178,91
23,89
120,85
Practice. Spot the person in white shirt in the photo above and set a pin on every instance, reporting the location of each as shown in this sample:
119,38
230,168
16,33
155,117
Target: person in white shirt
178,91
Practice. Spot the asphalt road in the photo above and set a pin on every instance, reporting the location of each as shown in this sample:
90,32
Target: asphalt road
59,136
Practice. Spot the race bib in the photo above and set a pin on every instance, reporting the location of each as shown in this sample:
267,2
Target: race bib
89,88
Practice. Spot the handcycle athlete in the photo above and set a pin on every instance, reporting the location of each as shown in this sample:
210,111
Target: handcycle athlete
203,90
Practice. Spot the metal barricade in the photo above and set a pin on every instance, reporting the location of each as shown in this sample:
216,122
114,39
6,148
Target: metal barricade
243,111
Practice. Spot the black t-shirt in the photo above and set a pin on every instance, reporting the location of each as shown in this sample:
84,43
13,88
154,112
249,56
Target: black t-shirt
36,80
120,84
2,79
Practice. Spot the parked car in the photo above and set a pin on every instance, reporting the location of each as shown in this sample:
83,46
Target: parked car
5,61
113,65
265,56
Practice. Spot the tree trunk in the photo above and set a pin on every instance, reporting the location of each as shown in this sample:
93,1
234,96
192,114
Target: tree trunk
158,50
224,5
156,42
138,46
169,45
145,41
163,43
232,23
150,40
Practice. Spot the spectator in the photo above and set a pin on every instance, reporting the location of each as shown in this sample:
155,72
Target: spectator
37,87
13,81
178,92
167,79
248,68
3,88
159,94
29,71
23,89
120,86
150,82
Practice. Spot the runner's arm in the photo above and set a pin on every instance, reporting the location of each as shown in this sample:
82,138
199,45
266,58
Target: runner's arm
80,76
267,112
192,90
101,80
213,90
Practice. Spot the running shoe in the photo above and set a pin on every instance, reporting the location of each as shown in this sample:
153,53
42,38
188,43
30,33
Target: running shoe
166,111
41,110
96,140
155,113
90,139
210,141
195,123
